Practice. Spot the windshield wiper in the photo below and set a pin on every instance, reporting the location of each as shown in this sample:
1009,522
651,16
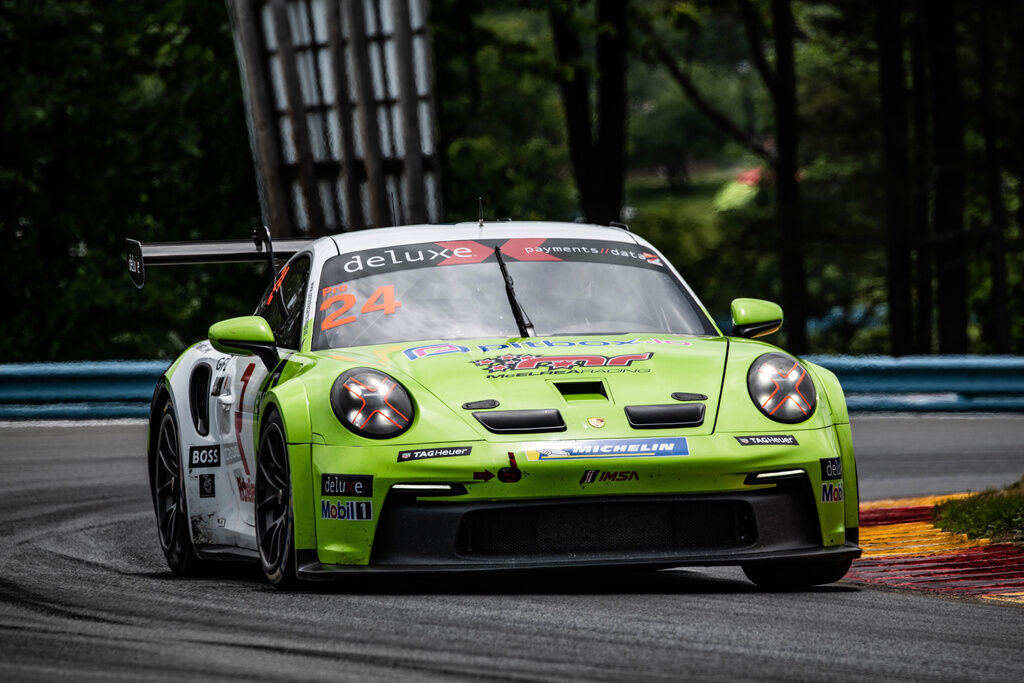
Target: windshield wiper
522,320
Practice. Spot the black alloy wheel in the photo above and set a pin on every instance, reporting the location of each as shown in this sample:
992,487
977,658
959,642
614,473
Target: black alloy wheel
168,487
274,526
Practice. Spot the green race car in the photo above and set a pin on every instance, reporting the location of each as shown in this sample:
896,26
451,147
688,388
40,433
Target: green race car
494,396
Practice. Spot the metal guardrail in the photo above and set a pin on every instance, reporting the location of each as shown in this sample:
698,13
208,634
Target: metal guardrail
76,391
929,383
122,389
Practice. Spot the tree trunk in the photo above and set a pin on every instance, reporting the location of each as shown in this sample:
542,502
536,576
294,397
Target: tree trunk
993,187
948,145
787,203
598,165
920,186
611,110
894,174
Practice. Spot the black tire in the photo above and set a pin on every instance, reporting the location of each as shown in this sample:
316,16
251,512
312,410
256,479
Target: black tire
275,528
795,575
167,484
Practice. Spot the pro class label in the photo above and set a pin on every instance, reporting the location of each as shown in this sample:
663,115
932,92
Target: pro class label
831,468
349,485
203,456
768,440
342,510
424,453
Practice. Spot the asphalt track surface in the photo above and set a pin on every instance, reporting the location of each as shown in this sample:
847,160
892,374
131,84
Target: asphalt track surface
85,593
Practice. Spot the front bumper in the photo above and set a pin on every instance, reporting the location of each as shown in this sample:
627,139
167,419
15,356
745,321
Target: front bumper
622,531
704,506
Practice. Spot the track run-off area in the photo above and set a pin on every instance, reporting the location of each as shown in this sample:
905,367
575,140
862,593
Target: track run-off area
85,592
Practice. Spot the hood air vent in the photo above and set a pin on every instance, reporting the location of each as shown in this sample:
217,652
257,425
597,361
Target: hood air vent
666,416
521,421
582,391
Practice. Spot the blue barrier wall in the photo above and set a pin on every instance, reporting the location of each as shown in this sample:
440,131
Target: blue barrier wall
123,389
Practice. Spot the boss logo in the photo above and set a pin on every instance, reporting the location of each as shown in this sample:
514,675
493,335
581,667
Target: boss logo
203,456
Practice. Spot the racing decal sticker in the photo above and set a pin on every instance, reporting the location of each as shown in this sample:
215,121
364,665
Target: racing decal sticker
831,468
346,511
592,476
606,448
443,452
768,440
832,493
207,486
360,485
347,267
417,352
203,456
549,365
246,489
246,376
338,301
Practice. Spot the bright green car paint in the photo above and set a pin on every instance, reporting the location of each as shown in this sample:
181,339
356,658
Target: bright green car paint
248,328
319,444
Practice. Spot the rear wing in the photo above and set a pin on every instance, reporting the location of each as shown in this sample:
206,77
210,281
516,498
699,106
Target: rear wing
259,248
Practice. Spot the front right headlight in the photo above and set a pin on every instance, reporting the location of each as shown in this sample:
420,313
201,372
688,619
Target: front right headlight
371,404
781,388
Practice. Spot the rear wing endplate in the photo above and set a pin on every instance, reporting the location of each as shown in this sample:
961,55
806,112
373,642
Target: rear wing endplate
145,254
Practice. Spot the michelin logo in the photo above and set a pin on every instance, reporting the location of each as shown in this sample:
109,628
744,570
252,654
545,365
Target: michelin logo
606,448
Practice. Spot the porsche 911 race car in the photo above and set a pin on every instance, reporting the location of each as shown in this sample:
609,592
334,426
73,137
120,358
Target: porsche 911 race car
493,396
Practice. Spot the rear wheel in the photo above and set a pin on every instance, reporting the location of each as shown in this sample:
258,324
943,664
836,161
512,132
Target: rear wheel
168,486
794,575
274,517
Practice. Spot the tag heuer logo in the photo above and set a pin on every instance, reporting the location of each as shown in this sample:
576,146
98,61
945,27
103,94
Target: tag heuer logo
596,422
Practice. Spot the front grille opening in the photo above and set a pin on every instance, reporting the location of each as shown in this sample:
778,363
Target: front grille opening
581,529
582,391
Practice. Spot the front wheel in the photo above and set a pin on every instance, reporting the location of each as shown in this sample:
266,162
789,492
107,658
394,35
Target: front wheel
796,575
274,517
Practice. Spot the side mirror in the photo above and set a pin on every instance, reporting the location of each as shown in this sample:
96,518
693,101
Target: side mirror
755,317
249,334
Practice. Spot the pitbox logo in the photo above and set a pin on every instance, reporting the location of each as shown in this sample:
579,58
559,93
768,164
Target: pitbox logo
203,456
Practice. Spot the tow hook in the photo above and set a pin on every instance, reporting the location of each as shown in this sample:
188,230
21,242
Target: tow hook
512,473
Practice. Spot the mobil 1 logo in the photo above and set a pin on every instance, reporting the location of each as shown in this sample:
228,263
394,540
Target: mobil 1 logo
203,456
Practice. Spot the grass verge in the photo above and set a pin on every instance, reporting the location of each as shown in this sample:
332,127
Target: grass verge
997,515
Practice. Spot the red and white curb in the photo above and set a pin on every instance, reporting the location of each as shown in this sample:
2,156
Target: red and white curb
902,549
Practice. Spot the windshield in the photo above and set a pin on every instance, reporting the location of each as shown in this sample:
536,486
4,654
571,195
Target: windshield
454,290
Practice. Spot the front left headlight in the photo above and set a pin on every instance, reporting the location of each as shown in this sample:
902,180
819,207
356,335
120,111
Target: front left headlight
371,404
782,388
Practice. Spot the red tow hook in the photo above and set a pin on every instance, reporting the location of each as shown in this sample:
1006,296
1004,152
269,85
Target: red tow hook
512,473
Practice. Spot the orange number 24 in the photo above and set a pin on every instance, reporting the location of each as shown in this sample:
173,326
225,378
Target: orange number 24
382,299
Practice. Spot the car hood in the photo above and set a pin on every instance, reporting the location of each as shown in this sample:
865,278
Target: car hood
589,379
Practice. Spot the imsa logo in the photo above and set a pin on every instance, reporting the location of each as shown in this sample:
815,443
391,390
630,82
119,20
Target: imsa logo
346,510
591,476
832,493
